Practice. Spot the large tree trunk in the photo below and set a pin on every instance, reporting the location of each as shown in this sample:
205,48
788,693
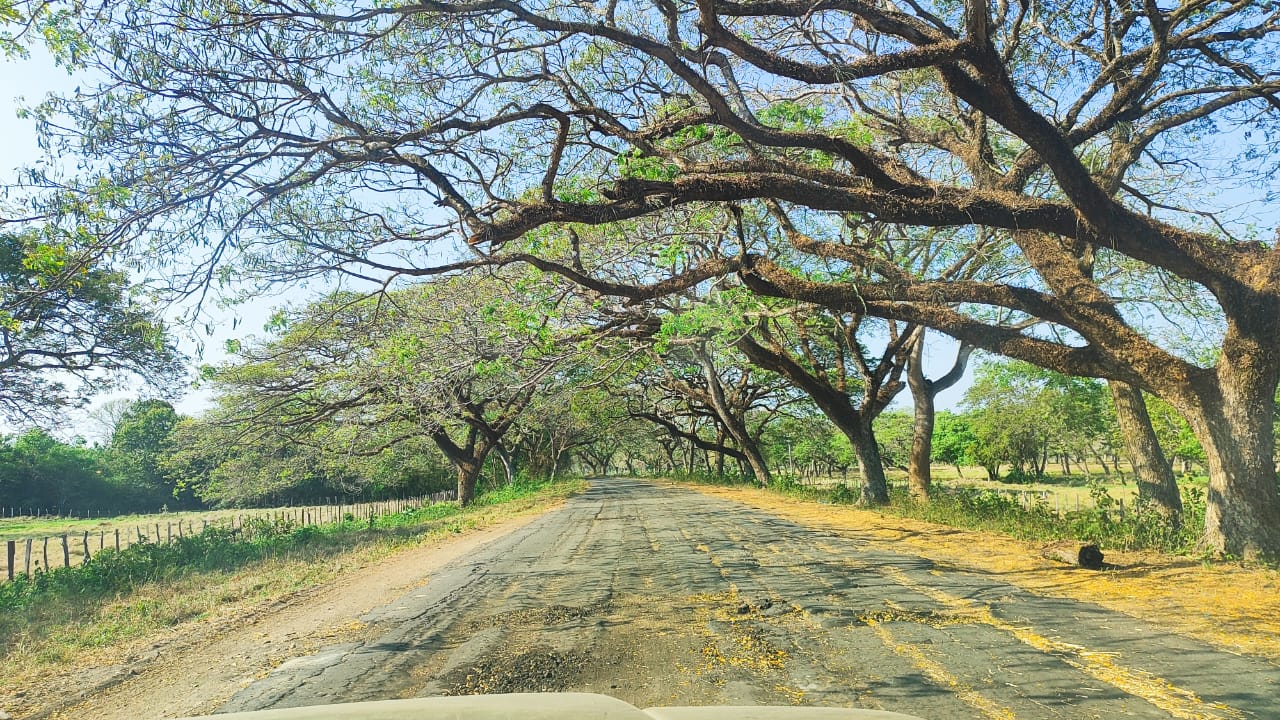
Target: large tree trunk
507,470
468,473
732,424
875,489
919,472
758,465
1156,485
1233,419
923,395
719,466
555,465
467,459
670,450
1103,462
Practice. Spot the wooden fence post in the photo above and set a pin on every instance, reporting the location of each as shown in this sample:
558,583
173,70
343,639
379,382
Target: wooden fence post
46,553
66,551
12,552
87,557
28,557
117,539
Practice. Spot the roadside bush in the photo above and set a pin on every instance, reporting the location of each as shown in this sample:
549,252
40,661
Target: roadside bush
843,494
110,571
704,477
1138,527
1018,476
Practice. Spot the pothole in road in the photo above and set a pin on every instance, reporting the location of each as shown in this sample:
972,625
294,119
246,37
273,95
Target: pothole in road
537,670
932,618
539,617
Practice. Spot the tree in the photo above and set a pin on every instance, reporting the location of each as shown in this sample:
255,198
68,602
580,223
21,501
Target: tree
923,394
810,444
691,388
138,442
574,419
69,328
39,471
1022,414
1174,434
1156,485
229,462
953,441
456,361
894,433
304,138
822,354
104,419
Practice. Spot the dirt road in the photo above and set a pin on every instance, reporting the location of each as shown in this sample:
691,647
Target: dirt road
659,595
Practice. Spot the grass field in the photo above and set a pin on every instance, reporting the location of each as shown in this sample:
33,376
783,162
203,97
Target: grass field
26,526
162,526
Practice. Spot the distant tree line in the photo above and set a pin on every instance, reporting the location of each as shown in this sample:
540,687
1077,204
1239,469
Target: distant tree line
37,470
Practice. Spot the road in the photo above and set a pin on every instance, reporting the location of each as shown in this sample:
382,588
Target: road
661,595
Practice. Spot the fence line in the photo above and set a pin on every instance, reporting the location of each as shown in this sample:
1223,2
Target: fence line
151,532
41,512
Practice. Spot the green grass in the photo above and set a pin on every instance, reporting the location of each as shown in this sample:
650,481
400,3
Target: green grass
20,528
24,527
56,616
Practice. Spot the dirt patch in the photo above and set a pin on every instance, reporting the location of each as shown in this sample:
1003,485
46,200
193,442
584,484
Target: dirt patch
1227,605
537,617
536,670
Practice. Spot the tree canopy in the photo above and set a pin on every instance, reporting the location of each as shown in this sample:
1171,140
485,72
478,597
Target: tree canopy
69,328
454,362
1048,153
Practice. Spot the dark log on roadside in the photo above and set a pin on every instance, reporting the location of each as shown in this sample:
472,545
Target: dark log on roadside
1085,556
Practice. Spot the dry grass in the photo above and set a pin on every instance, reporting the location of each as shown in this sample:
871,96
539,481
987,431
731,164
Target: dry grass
1061,492
1229,605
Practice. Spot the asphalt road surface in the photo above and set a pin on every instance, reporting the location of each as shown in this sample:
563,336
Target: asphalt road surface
660,596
